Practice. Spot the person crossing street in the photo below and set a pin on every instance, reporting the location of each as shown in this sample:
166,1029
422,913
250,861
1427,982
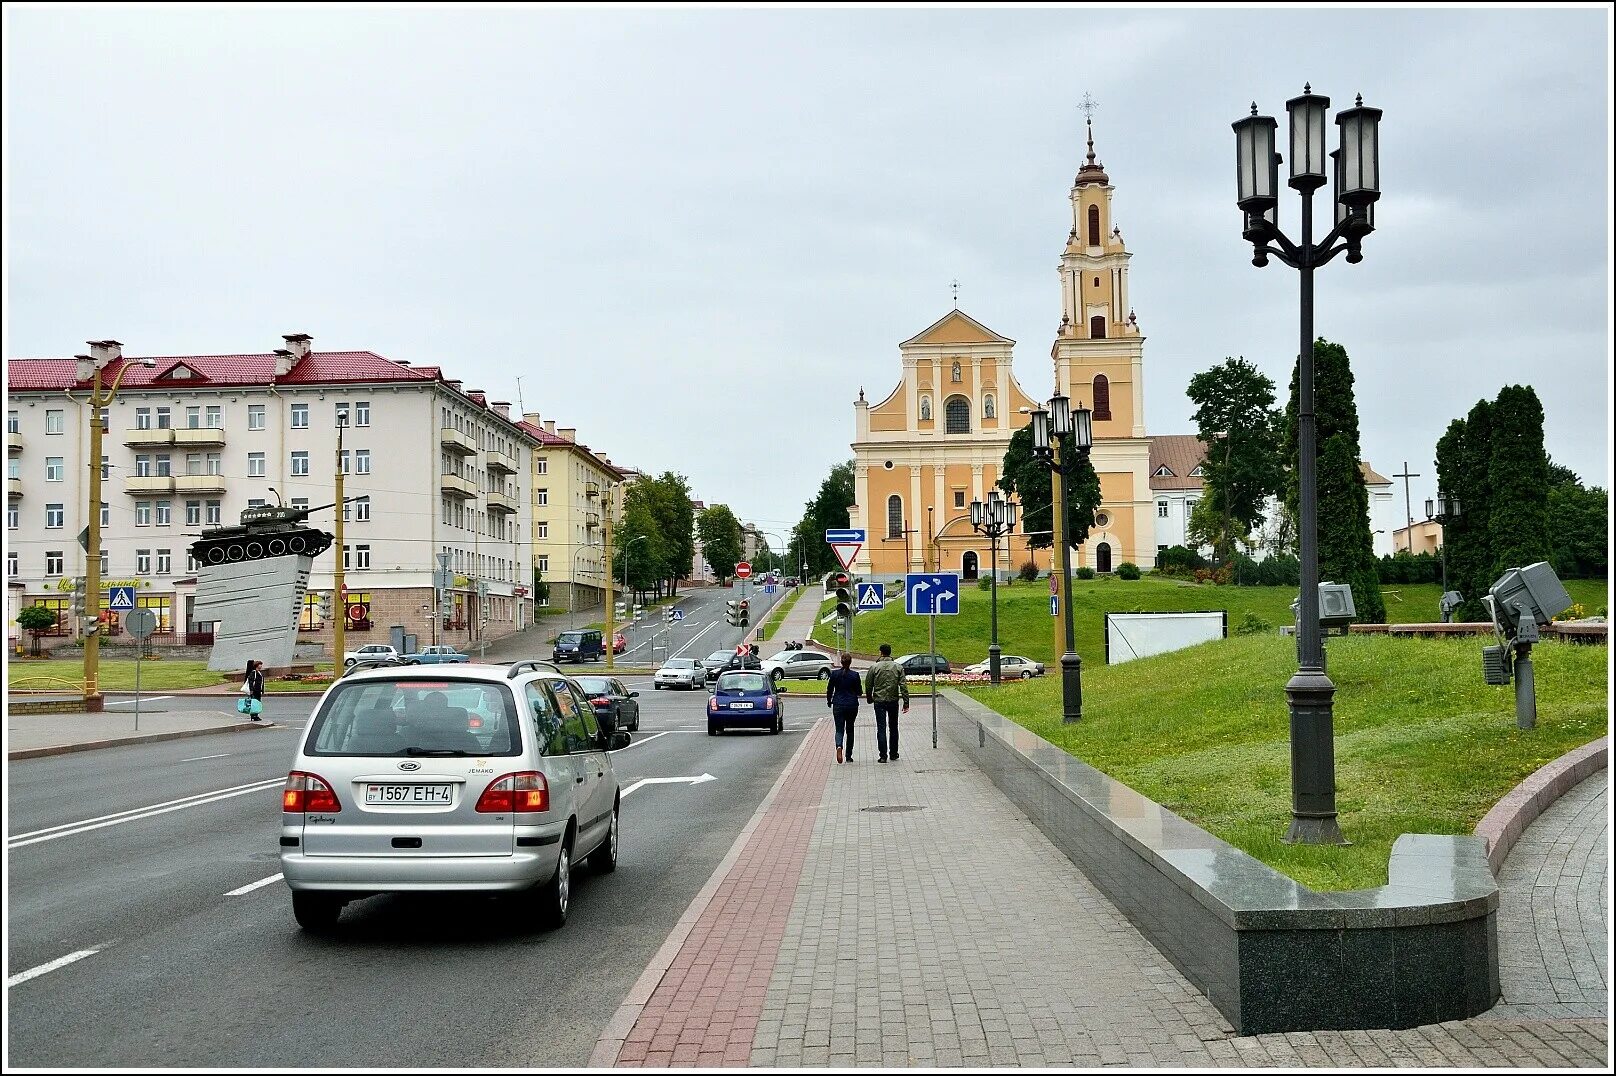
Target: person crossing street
884,686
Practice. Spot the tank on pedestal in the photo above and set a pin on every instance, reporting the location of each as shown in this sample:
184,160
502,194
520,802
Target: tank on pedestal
263,532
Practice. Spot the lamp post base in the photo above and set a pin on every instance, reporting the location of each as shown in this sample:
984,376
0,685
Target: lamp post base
1314,831
1311,696
994,651
1071,688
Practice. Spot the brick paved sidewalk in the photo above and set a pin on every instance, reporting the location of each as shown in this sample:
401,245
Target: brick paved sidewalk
950,932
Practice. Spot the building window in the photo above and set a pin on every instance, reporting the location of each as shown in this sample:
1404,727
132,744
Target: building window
959,498
164,514
925,409
300,463
957,415
14,468
143,418
894,516
543,531
955,374
165,562
12,424
215,512
255,465
13,569
190,563
258,502
541,496
193,513
542,562
162,607
1102,398
361,413
255,416
300,416
165,418
1161,509
988,410
193,418
342,461
53,468
215,417
1189,508
13,517
54,516
541,465
361,461
142,513
358,610
1094,225
361,507
215,463
1198,472
53,421
106,514
1097,327
361,557
106,468
142,562
53,562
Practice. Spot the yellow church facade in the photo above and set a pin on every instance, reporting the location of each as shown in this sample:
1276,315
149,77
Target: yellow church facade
937,442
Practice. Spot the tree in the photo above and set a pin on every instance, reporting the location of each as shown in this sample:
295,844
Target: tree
639,542
1518,477
720,539
1346,547
670,504
1463,462
1024,477
1209,525
1579,520
1238,422
36,620
827,511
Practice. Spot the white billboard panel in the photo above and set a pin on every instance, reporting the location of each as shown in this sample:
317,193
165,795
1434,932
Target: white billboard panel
1139,635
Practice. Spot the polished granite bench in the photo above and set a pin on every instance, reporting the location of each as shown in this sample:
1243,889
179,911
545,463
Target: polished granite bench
1270,953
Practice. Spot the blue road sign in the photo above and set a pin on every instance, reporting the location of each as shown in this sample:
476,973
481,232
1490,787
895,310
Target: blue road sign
678,615
844,537
768,588
123,598
927,594
1054,604
871,595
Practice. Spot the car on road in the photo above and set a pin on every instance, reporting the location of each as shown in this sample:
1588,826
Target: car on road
479,778
745,699
680,672
437,655
1011,667
372,650
923,664
798,665
714,663
791,581
741,663
610,695
375,661
619,642
580,645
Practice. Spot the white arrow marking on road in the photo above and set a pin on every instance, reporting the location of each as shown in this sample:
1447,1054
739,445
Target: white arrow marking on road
64,961
256,885
70,829
642,782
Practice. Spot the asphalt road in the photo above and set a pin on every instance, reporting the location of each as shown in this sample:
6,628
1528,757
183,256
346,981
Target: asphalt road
145,859
703,630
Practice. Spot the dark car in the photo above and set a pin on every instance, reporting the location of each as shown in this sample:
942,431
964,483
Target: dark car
611,698
744,699
582,645
746,662
714,663
923,664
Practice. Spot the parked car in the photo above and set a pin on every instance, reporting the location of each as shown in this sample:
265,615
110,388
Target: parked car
374,661
611,695
1011,667
923,664
481,778
619,642
745,699
371,650
680,672
583,645
798,665
714,663
791,581
437,655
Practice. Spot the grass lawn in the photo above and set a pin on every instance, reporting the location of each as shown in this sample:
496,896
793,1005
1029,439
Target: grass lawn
1026,628
1421,744
772,625
163,674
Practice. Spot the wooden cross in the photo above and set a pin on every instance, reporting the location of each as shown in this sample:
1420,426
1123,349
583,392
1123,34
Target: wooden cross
1408,502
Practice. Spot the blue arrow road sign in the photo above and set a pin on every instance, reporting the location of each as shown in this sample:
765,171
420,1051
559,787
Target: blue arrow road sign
844,537
123,598
928,594
871,595
1054,605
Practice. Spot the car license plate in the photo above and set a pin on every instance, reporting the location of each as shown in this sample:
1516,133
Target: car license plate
438,794
740,706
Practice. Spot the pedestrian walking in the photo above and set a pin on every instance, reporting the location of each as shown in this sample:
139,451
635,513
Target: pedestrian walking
842,691
884,686
252,690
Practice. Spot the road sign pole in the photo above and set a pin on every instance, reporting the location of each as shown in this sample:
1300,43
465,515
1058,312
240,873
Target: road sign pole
932,661
140,645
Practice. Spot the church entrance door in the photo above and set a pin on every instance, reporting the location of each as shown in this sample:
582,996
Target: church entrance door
1102,557
968,566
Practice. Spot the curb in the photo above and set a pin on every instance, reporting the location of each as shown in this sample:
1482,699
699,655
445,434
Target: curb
616,1032
1522,805
155,737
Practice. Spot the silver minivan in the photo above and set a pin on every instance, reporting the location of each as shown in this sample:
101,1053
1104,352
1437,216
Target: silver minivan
449,779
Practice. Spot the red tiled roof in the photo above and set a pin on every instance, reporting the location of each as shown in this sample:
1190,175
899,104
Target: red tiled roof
316,368
1180,452
542,435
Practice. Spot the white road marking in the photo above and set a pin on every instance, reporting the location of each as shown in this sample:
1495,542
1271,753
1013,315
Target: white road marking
60,962
143,698
70,829
199,758
256,885
704,631
638,740
642,782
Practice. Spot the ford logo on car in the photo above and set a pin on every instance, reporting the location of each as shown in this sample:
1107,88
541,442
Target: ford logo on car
409,766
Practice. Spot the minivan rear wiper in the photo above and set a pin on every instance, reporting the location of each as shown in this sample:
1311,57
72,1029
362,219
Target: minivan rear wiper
437,752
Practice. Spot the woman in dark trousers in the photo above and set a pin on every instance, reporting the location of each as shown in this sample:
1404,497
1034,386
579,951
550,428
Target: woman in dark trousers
255,681
842,692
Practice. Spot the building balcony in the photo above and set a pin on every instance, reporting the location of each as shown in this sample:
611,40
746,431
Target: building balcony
459,443
500,463
136,485
148,438
591,520
199,483
13,443
199,437
591,489
454,485
14,487
500,502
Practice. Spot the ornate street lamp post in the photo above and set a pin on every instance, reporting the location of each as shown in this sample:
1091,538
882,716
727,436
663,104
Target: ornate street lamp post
1446,508
995,518
1356,170
1071,428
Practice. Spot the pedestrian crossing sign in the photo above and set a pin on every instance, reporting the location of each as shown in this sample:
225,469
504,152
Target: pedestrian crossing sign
121,599
871,595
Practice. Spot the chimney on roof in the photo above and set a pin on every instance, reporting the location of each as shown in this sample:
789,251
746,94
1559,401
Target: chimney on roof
531,418
549,425
571,435
284,361
84,368
477,394
503,407
299,344
105,351
453,383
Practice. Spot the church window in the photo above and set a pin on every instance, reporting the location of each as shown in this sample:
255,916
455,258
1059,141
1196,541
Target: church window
1094,225
956,372
895,516
958,414
925,409
1097,327
1102,398
987,406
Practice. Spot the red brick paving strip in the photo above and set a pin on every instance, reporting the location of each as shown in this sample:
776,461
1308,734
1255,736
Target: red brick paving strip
704,1011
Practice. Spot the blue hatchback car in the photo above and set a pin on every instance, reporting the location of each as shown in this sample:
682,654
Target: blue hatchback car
747,699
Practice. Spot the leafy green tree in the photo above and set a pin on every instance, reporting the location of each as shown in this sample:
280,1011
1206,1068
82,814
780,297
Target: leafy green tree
1518,475
36,620
676,523
720,535
1208,525
1346,546
827,511
1029,480
639,541
1579,523
1242,430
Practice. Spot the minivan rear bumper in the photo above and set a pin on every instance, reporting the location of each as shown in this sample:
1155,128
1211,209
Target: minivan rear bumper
530,865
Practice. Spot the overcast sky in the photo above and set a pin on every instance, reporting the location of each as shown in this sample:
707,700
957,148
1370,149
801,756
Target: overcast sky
695,235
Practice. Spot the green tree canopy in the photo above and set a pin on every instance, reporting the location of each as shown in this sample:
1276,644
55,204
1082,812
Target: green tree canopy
827,511
1242,430
1029,480
720,535
1518,476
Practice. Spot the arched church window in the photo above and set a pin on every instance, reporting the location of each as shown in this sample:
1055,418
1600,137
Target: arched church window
1102,398
895,516
925,409
987,406
1097,327
957,411
1094,225
956,378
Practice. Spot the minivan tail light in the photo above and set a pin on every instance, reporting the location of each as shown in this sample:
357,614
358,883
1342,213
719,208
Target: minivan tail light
516,793
305,792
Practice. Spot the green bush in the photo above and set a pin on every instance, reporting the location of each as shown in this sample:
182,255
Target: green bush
1274,571
984,583
1128,570
1029,571
1084,573
1179,560
1252,624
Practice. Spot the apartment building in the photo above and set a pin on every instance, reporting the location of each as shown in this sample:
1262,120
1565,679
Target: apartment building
573,490
191,440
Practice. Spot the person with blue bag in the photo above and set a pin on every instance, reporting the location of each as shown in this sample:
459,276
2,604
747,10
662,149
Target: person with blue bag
251,702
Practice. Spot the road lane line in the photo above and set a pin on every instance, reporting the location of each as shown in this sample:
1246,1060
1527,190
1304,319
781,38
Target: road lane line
642,782
143,698
704,631
137,810
62,962
74,828
199,758
638,740
256,885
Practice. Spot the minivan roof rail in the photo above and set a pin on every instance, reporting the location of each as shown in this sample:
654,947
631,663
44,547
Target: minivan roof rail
519,667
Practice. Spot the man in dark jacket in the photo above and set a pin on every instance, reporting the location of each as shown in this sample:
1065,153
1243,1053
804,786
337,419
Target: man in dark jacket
842,691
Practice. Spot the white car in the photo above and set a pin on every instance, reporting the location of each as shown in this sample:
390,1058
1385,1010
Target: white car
367,653
680,672
798,665
1011,667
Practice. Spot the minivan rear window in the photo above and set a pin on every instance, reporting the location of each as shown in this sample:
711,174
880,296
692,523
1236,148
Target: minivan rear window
417,718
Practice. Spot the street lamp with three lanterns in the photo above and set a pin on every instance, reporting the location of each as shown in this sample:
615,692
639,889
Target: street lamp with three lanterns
995,518
1055,429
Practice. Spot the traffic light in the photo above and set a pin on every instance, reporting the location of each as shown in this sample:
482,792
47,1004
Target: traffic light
844,595
745,613
667,615
732,613
76,602
324,606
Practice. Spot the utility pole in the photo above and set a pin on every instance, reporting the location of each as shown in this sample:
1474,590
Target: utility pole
339,600
1408,504
611,611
